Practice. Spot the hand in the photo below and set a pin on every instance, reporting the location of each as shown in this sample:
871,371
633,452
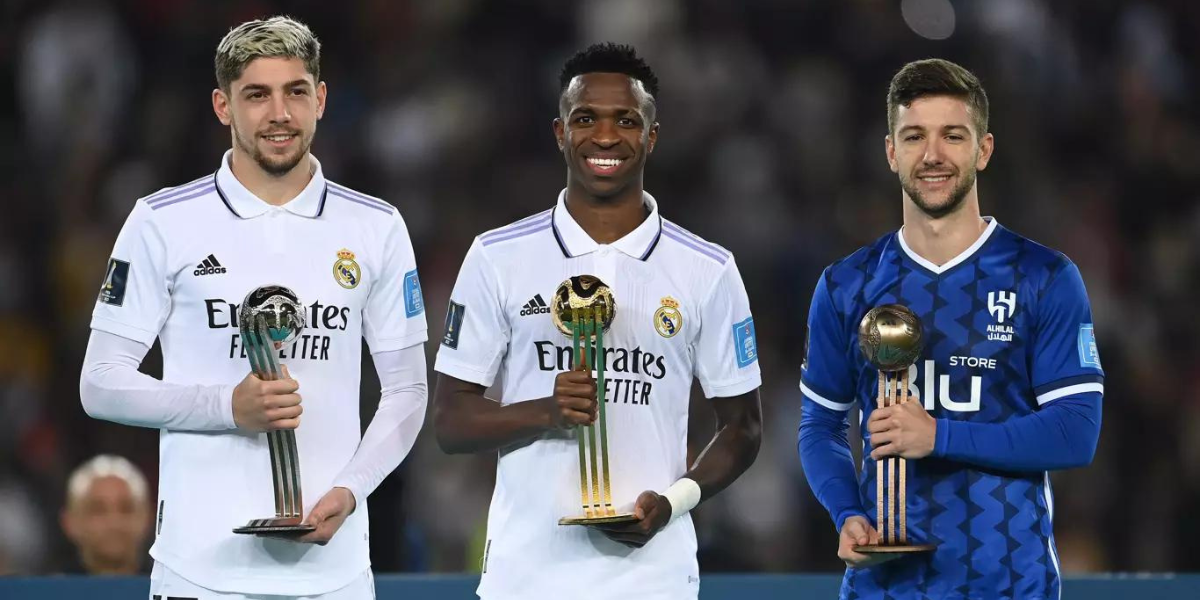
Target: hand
653,511
856,531
574,399
328,516
265,405
902,430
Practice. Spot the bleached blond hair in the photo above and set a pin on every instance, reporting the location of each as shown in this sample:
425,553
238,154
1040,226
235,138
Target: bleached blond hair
106,465
274,37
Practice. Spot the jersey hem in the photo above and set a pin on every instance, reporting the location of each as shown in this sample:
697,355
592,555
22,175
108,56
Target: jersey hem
323,583
736,387
137,334
463,371
400,343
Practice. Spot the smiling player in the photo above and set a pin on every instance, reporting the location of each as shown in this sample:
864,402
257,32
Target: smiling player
682,314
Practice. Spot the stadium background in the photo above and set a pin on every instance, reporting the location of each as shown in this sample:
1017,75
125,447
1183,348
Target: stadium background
773,120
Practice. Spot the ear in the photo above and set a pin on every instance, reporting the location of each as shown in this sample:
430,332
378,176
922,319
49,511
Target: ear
986,145
560,133
67,522
321,92
652,138
221,107
889,147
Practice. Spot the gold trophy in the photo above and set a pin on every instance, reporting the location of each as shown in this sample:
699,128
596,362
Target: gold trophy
891,338
583,308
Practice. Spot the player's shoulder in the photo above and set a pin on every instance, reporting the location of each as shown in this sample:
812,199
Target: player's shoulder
850,273
690,244
517,235
169,200
1033,260
348,201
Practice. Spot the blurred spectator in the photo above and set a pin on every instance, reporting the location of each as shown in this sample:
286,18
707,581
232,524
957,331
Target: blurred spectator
107,517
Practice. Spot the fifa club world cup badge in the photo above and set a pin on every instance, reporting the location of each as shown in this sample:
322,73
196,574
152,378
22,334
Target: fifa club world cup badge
667,319
345,270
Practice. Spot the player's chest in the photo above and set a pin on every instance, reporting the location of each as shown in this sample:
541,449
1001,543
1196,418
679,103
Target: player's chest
653,324
330,271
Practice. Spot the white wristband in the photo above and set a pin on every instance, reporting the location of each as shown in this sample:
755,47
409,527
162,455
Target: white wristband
683,495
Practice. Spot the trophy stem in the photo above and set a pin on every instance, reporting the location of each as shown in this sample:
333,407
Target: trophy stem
600,400
880,492
580,430
589,330
903,467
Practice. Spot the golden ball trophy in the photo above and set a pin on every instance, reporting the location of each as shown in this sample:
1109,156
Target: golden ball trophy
891,338
583,308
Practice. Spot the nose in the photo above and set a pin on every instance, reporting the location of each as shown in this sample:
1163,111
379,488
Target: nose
604,134
279,110
934,154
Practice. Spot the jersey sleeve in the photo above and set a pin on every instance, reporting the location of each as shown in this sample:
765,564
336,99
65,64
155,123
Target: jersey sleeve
477,331
826,373
1065,358
135,294
394,315
726,349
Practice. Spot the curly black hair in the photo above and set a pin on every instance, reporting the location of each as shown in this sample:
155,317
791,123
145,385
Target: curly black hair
609,58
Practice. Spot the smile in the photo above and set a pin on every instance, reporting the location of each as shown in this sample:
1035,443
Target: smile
604,166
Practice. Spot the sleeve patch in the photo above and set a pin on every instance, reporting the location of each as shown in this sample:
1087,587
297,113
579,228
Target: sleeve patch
744,343
1089,354
112,291
414,304
454,320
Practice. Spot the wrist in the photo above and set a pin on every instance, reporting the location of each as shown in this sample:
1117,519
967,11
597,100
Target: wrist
941,437
683,496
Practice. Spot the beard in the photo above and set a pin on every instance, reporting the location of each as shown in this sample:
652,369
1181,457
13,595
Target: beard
953,201
275,164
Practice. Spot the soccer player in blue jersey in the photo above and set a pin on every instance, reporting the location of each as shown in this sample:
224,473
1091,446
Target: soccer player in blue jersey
1009,385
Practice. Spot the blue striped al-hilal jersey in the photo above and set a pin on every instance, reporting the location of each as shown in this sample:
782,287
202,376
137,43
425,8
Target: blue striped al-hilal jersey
1008,329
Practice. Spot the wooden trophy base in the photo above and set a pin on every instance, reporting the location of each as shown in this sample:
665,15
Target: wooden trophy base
276,526
895,548
599,520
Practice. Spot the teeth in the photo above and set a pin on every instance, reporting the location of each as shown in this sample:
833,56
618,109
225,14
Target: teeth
279,138
936,179
605,162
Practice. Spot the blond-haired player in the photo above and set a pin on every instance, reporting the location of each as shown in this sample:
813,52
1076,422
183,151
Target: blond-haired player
185,258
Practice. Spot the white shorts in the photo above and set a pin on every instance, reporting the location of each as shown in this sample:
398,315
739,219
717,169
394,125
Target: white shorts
166,584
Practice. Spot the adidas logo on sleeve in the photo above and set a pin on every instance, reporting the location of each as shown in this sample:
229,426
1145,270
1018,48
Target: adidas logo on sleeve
209,266
536,306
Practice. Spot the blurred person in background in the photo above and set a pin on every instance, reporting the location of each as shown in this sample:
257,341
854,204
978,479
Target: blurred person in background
107,517
683,316
185,257
1008,325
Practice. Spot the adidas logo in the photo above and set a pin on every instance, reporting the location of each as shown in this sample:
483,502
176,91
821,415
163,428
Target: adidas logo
210,266
536,306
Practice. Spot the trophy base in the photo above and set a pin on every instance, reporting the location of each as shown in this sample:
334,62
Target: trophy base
600,520
276,526
895,548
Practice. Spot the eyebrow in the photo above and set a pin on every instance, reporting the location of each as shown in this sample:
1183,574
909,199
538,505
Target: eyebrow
908,128
260,87
620,112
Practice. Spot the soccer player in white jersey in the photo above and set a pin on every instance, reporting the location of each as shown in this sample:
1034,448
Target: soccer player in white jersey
184,260
682,313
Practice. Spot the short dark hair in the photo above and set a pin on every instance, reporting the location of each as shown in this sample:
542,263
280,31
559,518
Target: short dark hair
937,77
608,58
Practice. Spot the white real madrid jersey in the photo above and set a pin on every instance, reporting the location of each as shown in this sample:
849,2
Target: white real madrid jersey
681,313
182,264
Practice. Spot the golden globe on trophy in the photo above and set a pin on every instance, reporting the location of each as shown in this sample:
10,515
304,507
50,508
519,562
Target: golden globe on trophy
269,319
891,338
583,308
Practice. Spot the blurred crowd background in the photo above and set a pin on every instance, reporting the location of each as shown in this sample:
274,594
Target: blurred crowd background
773,120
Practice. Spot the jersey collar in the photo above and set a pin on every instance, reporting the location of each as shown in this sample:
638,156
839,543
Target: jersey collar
957,260
574,241
243,203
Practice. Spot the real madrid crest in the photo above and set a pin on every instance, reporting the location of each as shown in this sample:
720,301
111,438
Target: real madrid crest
345,270
667,319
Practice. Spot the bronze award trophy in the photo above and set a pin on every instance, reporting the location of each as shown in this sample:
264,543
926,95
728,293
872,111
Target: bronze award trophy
891,338
271,318
583,308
